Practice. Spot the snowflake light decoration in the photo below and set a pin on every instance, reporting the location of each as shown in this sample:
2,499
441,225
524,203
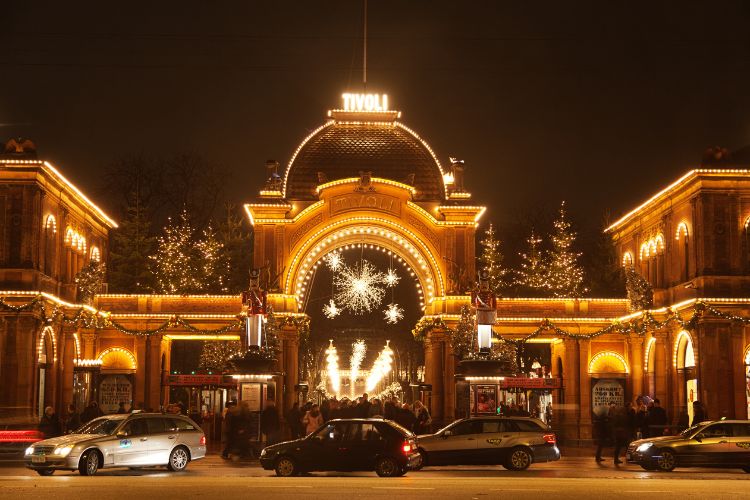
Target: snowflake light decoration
358,287
393,314
331,310
334,260
391,278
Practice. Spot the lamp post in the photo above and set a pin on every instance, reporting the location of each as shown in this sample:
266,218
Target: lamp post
485,302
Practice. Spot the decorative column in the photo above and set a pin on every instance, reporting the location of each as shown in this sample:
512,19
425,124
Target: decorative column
569,415
636,366
662,365
584,384
738,373
434,346
68,354
289,364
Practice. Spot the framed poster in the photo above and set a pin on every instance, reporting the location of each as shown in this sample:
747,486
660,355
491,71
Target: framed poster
251,394
114,389
604,392
486,399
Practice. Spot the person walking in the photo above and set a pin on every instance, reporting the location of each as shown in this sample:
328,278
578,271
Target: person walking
312,419
294,420
91,412
269,423
376,409
657,420
72,419
50,424
602,433
423,421
699,413
641,416
225,428
620,430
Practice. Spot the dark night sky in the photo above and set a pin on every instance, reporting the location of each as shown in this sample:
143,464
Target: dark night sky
600,103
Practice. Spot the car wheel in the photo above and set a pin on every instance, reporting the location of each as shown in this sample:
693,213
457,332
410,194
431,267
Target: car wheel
89,463
422,460
45,472
178,459
285,467
387,467
519,459
668,461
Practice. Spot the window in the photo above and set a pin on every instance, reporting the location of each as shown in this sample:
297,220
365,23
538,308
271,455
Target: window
363,432
718,430
181,425
332,432
467,427
158,425
527,426
135,427
490,426
741,430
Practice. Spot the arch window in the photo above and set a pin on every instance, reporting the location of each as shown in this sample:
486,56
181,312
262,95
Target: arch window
50,248
117,359
683,254
608,362
96,255
747,379
650,366
627,259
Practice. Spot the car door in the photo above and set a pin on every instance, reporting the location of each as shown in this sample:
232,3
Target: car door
323,449
162,435
739,446
459,444
363,443
497,437
709,447
133,445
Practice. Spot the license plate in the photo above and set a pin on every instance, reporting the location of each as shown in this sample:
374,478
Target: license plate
38,459
628,456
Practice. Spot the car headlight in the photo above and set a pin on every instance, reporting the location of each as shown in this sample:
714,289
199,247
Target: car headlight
30,450
263,452
644,447
63,451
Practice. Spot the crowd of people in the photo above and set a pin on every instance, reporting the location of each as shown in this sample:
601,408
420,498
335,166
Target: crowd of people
618,426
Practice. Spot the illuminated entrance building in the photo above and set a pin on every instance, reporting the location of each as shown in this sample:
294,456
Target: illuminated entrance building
363,184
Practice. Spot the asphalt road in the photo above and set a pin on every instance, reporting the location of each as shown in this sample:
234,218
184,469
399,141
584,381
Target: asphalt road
574,477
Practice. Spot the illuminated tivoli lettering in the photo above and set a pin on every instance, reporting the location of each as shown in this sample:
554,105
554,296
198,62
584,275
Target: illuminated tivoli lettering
365,102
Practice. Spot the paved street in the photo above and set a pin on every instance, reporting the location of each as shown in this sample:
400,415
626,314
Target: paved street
572,477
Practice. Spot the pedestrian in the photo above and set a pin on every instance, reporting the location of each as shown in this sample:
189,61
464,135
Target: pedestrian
620,430
405,417
294,420
699,413
50,425
312,419
641,415
72,419
423,421
225,428
91,412
121,410
363,409
376,409
602,433
269,423
657,420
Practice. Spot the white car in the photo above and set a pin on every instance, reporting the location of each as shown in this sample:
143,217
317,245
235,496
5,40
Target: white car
129,440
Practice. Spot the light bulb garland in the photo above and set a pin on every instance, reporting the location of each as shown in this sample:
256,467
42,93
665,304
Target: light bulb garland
330,310
358,287
393,314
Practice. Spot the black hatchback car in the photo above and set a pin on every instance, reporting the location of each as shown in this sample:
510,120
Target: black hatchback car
358,444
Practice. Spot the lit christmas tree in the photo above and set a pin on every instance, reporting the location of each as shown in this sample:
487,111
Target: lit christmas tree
89,280
462,338
491,260
564,274
132,244
174,265
212,264
215,354
531,277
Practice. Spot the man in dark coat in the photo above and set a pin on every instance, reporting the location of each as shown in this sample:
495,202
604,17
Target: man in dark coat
699,413
91,412
602,432
657,420
269,423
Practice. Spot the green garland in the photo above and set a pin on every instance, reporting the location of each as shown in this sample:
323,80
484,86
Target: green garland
424,325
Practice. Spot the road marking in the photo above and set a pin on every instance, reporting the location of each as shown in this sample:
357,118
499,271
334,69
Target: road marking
277,486
399,488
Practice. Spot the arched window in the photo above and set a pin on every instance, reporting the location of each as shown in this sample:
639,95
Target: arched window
683,253
50,247
658,257
96,255
627,259
650,367
747,378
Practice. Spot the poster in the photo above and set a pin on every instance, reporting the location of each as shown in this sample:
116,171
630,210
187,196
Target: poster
747,386
486,399
114,389
251,395
691,389
605,392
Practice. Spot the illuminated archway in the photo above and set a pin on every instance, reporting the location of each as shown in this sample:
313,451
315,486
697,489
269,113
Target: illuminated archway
747,378
608,362
43,351
683,355
627,259
117,359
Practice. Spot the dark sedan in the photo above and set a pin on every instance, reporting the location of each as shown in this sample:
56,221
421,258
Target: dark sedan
723,443
346,445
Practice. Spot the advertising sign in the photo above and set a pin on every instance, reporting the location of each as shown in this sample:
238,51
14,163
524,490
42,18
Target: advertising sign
251,394
114,389
605,392
486,399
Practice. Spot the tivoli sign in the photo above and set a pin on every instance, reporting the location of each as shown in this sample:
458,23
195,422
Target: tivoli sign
365,102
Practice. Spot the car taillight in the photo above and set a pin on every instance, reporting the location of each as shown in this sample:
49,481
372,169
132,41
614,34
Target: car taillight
408,446
549,438
202,442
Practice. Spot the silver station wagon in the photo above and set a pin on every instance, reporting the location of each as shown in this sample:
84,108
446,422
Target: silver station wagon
131,440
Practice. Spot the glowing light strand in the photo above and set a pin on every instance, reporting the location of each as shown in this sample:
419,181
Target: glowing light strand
381,368
332,360
359,349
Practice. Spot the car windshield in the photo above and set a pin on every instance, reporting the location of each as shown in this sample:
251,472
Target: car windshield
104,426
690,430
452,424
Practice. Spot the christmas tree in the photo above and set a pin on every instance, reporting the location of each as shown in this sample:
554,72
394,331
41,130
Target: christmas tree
462,338
640,292
132,245
531,277
89,280
237,239
175,264
215,354
491,260
212,262
564,274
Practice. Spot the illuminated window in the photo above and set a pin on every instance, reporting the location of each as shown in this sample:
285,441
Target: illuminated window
627,259
683,253
608,362
50,248
95,254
